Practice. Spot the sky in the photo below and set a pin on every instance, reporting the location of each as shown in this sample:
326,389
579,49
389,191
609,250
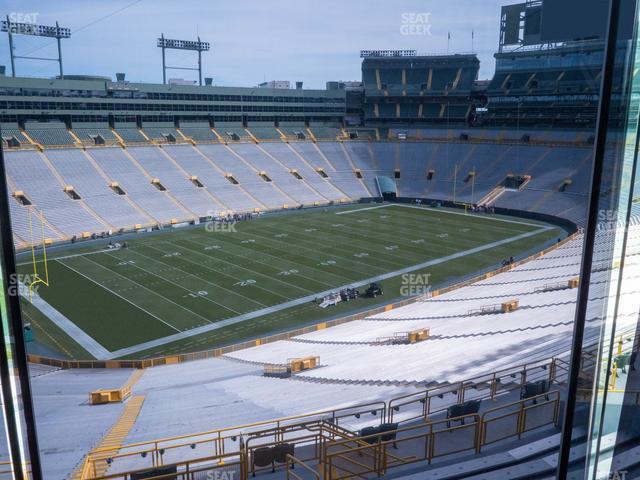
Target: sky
251,40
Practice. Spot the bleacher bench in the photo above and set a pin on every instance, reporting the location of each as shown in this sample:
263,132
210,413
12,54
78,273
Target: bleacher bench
469,407
533,389
265,456
385,432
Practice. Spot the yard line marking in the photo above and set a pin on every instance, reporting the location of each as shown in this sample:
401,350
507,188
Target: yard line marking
195,276
341,237
64,257
416,222
474,215
363,209
299,301
334,253
67,326
402,239
280,244
233,245
145,288
252,272
135,265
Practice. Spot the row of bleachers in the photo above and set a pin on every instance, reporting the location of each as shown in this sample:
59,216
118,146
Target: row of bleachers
264,131
130,133
453,74
28,225
567,115
137,184
538,82
197,162
428,111
232,132
77,171
293,130
325,132
87,132
162,132
231,162
28,172
49,133
10,131
198,131
292,187
185,182
294,161
176,181
362,133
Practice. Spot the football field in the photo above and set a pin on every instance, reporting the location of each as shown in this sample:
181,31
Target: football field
196,288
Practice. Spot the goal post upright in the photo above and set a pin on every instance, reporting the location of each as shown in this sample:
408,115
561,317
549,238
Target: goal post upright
37,279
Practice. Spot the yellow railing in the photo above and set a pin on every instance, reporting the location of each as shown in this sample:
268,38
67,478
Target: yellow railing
345,459
341,452
234,465
158,452
512,418
291,474
427,402
220,441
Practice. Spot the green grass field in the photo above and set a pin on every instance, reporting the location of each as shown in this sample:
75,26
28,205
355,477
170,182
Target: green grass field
165,285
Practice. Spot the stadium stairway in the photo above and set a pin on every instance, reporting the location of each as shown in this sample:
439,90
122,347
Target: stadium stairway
69,427
149,219
112,441
353,169
84,205
319,197
188,213
267,198
211,154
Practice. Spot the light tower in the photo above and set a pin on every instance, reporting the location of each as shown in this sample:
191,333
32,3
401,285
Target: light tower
34,30
197,46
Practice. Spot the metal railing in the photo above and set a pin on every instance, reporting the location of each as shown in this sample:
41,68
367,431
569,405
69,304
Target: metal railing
292,475
514,419
484,387
220,442
357,458
232,465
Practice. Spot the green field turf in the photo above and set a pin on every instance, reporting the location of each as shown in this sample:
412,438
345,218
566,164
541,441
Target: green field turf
175,281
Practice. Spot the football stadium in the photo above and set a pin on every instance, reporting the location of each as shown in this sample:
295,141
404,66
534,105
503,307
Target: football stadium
378,279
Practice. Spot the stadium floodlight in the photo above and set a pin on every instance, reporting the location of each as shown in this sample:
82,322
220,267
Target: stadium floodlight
173,44
27,28
388,53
